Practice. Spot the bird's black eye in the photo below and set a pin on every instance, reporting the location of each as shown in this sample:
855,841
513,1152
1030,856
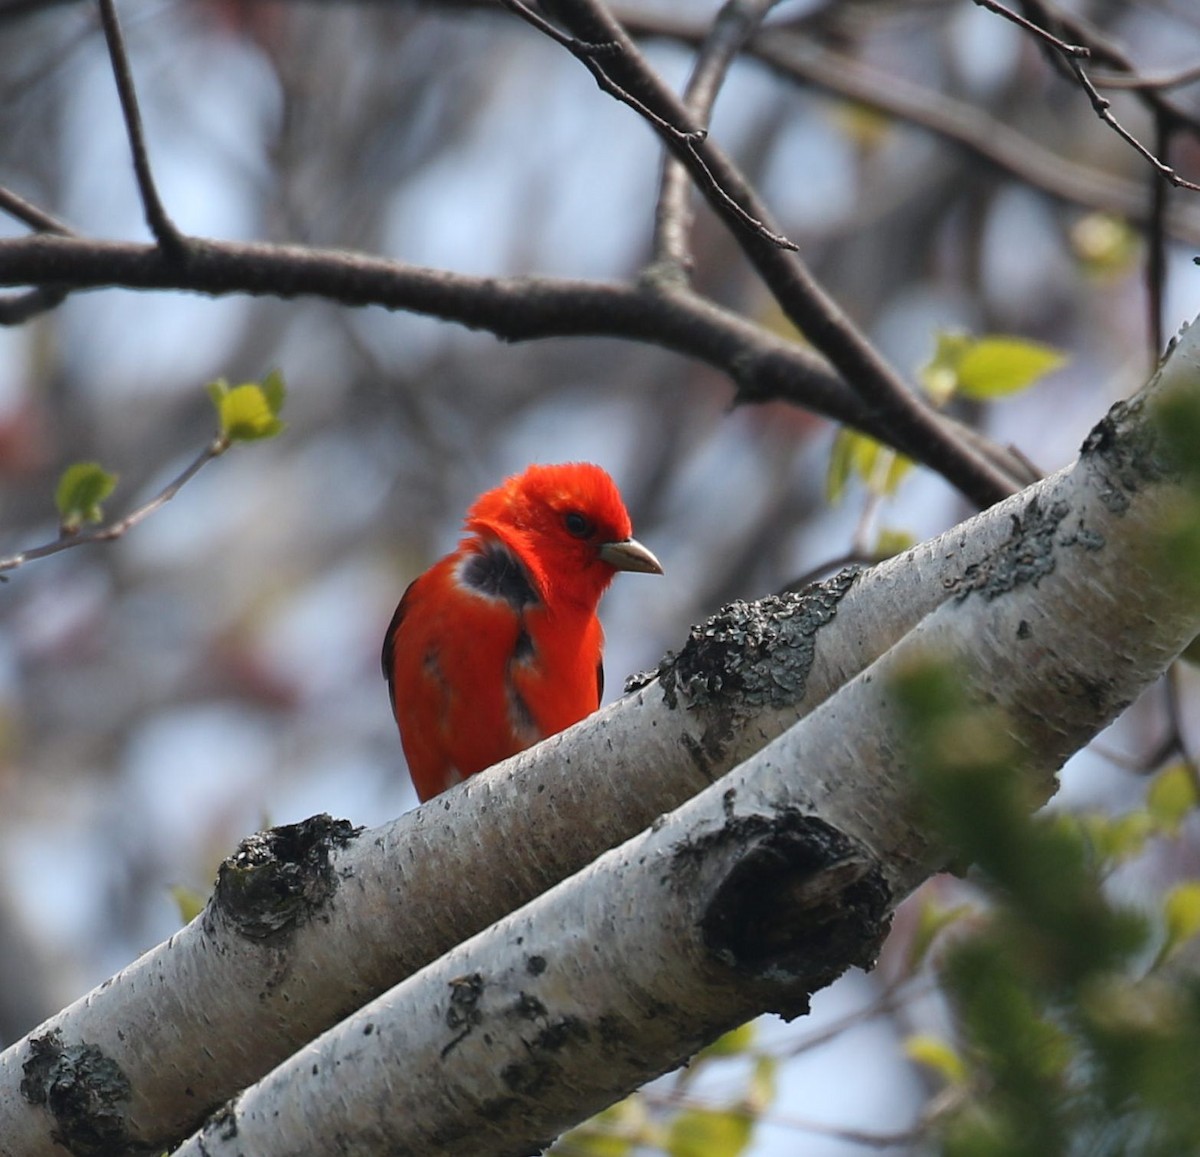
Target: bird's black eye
578,525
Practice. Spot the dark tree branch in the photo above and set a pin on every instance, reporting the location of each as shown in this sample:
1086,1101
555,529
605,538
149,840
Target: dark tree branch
886,407
762,366
592,55
804,61
17,9
1103,109
161,226
18,308
1099,48
613,59
1108,52
1156,243
1134,82
736,22
802,299
1072,51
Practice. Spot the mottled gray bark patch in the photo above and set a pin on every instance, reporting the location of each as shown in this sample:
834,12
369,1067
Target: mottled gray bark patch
747,657
1027,556
85,1091
278,877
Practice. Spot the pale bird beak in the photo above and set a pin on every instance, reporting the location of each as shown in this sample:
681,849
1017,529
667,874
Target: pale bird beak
630,555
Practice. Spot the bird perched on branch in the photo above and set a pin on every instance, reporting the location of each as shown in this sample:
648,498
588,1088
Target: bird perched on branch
497,645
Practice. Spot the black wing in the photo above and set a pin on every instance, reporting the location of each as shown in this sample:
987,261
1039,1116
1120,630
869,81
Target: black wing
388,655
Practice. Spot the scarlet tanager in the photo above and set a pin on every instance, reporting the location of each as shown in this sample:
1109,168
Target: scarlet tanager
497,645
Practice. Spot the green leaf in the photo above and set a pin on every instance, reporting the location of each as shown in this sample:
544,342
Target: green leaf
1176,417
891,542
1106,245
80,491
840,464
931,920
189,902
732,1044
938,1055
709,1133
1171,797
1181,913
275,390
995,367
939,377
613,1132
880,467
248,412
982,368
760,1090
1117,838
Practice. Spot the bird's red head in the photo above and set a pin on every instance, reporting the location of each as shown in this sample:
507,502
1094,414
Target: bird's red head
568,525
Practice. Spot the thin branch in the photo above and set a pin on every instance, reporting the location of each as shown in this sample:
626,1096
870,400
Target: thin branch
590,55
736,22
1107,51
122,526
15,9
1156,243
802,60
165,232
1071,51
761,365
1134,82
801,298
1102,106
1100,48
18,308
26,211
611,51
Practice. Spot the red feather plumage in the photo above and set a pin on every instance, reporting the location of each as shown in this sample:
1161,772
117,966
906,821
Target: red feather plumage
497,645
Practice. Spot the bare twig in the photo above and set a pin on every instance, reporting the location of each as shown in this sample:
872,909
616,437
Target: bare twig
1103,109
1156,244
165,232
590,54
122,526
1074,51
22,210
11,9
640,88
1135,82
802,299
736,22
18,308
803,60
1100,48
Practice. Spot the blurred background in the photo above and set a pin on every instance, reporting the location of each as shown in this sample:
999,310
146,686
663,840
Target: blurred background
217,669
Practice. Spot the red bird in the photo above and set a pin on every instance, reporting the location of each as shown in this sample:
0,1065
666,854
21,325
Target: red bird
498,645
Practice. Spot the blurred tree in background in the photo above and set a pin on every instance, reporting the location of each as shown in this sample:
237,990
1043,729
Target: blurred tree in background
940,170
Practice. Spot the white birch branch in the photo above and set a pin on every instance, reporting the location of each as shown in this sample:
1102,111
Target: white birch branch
310,922
265,968
771,882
